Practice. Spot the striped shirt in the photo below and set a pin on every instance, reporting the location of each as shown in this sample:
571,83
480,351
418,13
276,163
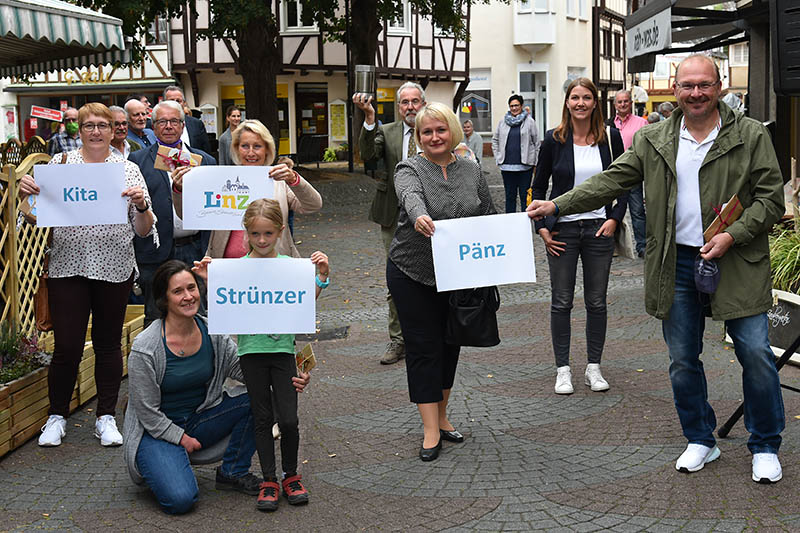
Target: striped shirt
422,190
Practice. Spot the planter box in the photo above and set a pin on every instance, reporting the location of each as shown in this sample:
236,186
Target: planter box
24,402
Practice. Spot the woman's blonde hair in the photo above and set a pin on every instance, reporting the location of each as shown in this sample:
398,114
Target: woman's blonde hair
253,126
264,208
596,126
97,109
437,111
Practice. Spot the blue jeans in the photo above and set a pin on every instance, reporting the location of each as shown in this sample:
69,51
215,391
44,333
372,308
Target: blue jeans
596,254
165,466
636,207
683,331
516,183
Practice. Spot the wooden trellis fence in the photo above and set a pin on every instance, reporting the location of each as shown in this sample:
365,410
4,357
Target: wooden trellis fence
22,246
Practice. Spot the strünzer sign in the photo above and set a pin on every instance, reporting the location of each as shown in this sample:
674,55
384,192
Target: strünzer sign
651,35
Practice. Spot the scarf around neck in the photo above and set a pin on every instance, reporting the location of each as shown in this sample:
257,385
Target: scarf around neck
513,121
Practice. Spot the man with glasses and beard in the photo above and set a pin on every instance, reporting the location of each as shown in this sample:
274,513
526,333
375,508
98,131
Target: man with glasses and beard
690,165
391,143
176,242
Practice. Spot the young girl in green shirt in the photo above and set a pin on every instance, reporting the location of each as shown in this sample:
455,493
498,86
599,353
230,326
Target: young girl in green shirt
268,365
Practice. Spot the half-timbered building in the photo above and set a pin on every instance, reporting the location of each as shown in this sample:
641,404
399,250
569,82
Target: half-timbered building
312,86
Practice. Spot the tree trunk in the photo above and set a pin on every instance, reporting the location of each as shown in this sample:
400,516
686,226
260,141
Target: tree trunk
259,66
364,30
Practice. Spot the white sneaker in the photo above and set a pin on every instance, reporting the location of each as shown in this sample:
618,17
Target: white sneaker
594,378
695,457
564,380
53,430
766,468
106,430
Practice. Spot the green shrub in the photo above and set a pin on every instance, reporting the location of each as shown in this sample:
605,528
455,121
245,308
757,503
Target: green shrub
329,155
785,260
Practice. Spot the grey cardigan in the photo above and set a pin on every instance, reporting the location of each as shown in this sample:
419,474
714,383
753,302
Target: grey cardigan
146,366
529,140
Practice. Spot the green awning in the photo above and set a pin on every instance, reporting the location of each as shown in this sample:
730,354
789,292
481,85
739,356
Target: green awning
44,35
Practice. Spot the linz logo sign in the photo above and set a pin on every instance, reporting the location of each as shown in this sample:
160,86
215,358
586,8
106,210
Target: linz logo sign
46,113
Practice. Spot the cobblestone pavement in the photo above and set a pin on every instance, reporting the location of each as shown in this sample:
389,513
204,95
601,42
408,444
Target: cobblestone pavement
532,460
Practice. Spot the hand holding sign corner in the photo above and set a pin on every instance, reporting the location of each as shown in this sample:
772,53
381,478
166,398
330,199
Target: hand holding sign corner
482,251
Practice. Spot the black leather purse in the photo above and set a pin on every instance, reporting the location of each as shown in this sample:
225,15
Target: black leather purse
472,318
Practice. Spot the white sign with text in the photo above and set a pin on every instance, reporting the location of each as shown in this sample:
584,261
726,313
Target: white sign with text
215,197
482,251
651,35
81,195
247,296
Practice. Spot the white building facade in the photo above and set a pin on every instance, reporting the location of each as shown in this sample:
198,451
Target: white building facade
527,47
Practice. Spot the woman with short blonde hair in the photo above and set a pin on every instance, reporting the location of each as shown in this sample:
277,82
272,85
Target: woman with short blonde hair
434,185
253,145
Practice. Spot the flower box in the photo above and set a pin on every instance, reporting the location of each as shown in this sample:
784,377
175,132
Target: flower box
24,402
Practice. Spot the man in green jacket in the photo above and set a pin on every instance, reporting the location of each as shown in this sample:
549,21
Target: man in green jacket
691,164
392,143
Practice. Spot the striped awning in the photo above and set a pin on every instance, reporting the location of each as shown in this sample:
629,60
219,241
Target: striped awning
44,35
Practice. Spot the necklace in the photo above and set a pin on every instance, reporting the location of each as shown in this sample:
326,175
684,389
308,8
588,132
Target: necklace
182,350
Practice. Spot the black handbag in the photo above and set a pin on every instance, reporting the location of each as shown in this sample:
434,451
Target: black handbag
472,318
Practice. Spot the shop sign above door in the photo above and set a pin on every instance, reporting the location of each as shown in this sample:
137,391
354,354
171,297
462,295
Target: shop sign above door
651,35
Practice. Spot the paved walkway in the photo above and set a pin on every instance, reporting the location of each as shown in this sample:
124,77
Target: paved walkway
532,460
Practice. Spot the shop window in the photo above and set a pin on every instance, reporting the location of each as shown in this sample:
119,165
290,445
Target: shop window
292,19
476,106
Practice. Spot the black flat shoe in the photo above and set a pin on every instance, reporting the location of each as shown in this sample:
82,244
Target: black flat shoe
430,454
451,436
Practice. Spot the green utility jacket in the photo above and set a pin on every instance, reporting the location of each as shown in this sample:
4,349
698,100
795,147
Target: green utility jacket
742,161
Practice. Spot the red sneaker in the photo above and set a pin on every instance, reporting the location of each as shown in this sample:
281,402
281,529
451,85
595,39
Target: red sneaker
268,496
294,491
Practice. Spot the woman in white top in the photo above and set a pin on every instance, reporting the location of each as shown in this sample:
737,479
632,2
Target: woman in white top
571,153
91,270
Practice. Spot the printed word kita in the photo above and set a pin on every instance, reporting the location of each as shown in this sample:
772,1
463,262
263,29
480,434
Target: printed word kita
477,252
231,201
255,296
79,194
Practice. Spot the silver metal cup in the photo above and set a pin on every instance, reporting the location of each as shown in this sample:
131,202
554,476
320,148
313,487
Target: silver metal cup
365,80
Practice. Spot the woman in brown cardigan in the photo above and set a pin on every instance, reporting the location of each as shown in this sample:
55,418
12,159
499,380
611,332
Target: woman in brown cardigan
253,145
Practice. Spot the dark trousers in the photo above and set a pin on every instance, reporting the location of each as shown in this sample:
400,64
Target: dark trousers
596,254
262,372
430,362
516,184
71,300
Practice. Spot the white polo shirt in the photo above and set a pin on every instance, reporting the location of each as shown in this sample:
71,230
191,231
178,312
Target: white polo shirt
688,213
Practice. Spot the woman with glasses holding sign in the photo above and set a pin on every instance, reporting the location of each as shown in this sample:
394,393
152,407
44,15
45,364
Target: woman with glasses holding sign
571,153
253,145
91,270
434,185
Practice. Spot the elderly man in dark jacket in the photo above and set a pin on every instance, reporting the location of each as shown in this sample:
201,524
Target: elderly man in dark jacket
176,243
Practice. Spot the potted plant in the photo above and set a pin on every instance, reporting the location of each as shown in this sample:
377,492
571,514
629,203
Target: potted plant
784,247
342,152
329,155
19,354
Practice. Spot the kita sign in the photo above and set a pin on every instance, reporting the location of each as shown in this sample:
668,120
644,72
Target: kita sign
271,296
215,197
482,251
81,195
46,113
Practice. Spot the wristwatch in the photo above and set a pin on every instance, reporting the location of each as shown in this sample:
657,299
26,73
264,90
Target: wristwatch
146,207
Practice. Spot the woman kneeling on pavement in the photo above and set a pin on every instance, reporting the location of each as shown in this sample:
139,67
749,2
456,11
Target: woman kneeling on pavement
177,404
432,186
